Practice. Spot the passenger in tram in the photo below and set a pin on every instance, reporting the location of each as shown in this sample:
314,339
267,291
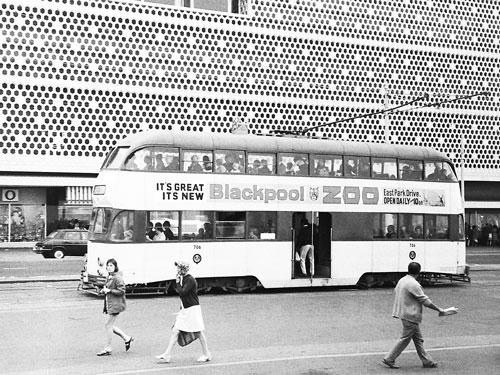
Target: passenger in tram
150,232
406,173
207,164
403,233
219,166
129,233
235,168
200,235
417,233
436,175
391,233
444,176
253,234
208,230
321,169
159,235
130,164
148,163
282,169
195,165
349,169
255,168
299,167
160,166
264,167
172,162
169,235
229,161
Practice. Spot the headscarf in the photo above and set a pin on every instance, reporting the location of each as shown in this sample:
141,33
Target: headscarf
183,267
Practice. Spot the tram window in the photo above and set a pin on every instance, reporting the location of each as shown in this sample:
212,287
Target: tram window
352,226
230,225
356,166
197,225
439,171
261,163
412,225
162,225
165,159
229,161
386,226
197,161
461,228
293,164
261,225
122,228
326,165
410,170
384,168
436,227
99,220
116,157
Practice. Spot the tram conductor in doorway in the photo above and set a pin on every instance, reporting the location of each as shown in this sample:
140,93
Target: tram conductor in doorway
305,243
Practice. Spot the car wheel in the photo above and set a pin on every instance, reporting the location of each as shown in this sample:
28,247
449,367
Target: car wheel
58,254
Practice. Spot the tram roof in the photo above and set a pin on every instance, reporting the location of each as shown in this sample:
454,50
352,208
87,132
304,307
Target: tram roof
280,144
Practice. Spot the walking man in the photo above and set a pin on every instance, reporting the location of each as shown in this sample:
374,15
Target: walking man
408,302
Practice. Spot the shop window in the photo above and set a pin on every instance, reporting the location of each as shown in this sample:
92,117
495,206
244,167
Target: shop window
227,6
261,225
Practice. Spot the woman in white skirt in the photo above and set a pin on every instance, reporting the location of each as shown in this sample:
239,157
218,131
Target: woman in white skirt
189,318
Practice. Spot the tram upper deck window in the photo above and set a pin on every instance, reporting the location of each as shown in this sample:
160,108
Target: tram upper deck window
384,168
410,169
356,166
197,161
293,164
115,158
229,161
261,163
323,165
153,159
439,171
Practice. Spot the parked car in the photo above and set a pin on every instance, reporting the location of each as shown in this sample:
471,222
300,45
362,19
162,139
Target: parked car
63,242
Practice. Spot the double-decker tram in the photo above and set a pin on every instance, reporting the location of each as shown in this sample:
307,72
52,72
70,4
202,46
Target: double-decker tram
233,205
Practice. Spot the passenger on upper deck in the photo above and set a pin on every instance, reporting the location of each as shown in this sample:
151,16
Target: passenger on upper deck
172,163
321,168
207,164
160,166
130,164
149,163
195,165
159,235
219,166
264,168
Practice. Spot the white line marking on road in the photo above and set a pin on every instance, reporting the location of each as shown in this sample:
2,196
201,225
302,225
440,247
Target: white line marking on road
168,367
15,268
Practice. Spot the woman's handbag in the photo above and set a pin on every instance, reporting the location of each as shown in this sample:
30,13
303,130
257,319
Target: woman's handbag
186,338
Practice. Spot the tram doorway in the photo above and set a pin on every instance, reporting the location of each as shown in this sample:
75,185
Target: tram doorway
311,228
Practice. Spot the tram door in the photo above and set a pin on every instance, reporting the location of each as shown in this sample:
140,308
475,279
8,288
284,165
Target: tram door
315,227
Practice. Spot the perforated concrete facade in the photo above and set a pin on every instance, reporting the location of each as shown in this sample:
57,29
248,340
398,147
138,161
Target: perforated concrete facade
79,75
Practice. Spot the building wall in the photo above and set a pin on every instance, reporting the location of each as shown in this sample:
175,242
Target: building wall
77,75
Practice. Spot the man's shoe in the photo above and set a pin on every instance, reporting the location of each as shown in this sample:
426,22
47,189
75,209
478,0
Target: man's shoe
431,365
387,363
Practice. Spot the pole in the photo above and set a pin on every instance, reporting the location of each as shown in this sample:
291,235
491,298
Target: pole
462,162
